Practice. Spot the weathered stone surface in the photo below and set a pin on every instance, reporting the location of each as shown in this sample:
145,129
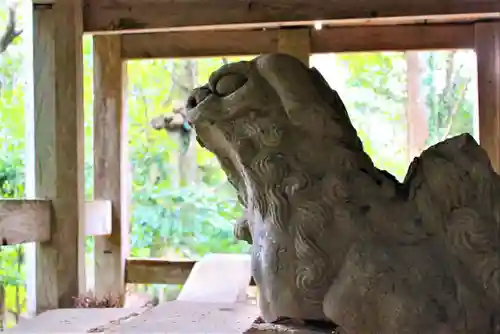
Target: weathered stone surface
290,326
335,238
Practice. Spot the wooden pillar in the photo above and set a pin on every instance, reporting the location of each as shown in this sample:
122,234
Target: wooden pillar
110,161
487,41
58,145
295,42
29,153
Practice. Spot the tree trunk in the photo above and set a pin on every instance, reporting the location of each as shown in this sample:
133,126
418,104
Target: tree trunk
416,113
187,161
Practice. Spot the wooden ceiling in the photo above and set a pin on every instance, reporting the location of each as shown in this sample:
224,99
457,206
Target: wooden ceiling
127,16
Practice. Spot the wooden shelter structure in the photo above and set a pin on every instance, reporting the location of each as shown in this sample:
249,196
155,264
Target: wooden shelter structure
57,218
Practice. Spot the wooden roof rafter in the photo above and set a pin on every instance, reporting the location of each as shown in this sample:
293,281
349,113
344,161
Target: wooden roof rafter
194,44
119,16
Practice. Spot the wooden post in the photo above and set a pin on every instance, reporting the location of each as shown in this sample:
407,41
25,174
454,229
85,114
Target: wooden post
58,144
29,153
487,41
296,42
110,161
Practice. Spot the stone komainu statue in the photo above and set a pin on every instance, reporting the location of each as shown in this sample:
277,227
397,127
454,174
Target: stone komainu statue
333,237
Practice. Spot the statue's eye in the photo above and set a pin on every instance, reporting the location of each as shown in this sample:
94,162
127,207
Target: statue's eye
229,83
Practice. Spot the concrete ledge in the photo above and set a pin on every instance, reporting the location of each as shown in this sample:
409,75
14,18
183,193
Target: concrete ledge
75,320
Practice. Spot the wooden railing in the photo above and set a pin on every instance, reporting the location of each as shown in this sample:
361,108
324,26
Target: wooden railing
23,220
158,271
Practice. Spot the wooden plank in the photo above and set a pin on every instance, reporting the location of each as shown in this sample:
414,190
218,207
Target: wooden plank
417,120
192,317
488,77
295,42
140,15
110,161
29,150
98,217
393,38
59,130
193,44
218,278
75,320
157,271
24,221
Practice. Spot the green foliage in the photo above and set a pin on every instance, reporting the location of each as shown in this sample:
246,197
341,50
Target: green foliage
12,274
188,221
376,100
192,220
447,83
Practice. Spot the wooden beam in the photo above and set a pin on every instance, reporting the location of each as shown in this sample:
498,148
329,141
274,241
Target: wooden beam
417,122
296,42
488,77
110,160
24,221
58,119
140,15
393,38
193,44
157,271
29,152
98,217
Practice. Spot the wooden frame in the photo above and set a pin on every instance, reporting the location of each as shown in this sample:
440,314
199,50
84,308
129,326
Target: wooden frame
110,164
139,15
58,149
197,28
157,271
487,47
193,44
98,217
24,221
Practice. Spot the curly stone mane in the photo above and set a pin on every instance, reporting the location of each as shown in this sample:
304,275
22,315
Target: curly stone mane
333,237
